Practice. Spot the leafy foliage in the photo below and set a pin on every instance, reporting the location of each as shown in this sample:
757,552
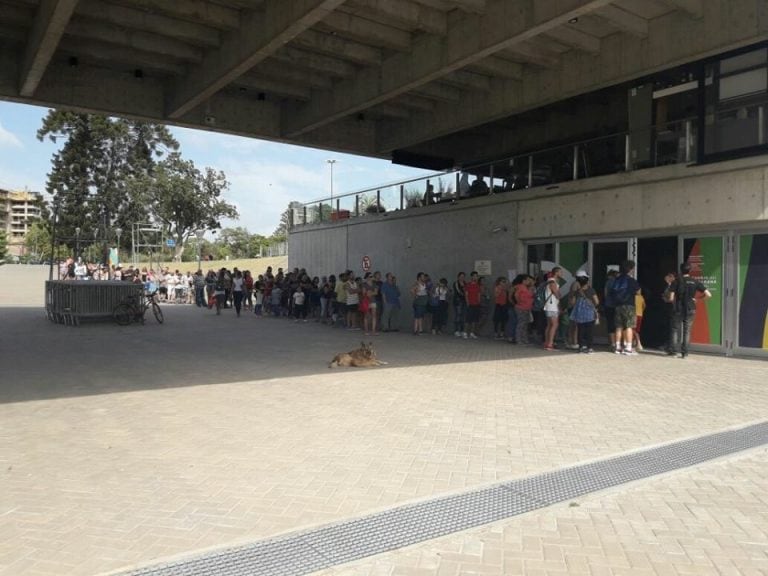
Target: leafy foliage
185,199
101,174
3,245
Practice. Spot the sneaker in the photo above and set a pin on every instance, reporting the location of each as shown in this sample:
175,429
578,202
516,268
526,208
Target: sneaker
472,335
457,334
589,351
618,351
464,335
629,353
549,348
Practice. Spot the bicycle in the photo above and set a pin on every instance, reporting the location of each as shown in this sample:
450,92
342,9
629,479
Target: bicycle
133,308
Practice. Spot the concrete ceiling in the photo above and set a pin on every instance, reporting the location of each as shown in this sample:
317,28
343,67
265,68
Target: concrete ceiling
363,76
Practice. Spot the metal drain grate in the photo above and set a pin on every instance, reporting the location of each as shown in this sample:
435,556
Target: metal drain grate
346,541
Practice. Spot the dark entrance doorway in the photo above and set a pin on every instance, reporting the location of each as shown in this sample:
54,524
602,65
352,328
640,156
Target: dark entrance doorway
656,257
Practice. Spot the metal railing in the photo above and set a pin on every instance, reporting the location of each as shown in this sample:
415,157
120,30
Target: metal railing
668,143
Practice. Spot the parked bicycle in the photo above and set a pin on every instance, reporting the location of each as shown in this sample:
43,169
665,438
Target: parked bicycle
133,308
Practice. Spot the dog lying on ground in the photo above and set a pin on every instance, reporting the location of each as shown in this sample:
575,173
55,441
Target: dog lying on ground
362,357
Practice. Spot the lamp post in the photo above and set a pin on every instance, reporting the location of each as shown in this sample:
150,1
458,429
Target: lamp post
77,242
53,236
118,233
331,163
199,234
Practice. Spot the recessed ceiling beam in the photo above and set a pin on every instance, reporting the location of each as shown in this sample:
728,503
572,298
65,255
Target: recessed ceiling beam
50,21
260,36
575,39
624,20
320,62
190,32
694,8
146,41
339,47
495,66
128,58
200,11
403,11
368,31
533,55
470,38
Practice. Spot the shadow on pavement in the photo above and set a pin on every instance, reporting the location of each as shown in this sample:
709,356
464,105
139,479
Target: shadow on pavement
42,360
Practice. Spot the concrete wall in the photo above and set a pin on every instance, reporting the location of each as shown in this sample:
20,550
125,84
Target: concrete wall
444,239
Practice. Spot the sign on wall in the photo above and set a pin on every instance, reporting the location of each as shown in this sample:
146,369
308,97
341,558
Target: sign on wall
366,263
483,267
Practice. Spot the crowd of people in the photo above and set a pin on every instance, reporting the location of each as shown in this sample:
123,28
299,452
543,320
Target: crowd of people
541,311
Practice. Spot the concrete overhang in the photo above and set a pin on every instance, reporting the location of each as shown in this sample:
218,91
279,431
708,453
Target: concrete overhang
364,76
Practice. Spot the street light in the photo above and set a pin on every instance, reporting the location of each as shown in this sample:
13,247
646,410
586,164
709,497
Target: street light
199,234
118,233
77,242
331,163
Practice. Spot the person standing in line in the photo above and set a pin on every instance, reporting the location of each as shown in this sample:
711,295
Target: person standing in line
523,295
353,301
500,310
199,283
340,304
440,314
622,293
238,291
299,304
258,297
552,307
639,311
369,304
248,294
472,292
669,310
420,301
609,308
584,303
379,283
219,291
684,296
459,306
391,303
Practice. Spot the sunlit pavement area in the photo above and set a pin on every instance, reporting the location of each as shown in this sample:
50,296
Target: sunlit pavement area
121,447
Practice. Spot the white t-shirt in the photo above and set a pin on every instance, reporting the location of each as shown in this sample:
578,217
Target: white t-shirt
298,298
237,284
552,303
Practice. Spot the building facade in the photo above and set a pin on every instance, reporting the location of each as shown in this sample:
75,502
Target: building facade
18,209
683,178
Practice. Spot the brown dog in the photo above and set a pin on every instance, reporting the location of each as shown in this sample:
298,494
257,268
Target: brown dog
362,357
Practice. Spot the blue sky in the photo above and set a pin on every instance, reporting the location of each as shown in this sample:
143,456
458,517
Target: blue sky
264,176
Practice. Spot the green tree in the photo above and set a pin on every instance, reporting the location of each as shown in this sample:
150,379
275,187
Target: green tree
38,239
239,241
100,176
185,199
3,246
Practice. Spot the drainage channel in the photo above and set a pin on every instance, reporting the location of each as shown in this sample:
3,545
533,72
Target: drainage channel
346,541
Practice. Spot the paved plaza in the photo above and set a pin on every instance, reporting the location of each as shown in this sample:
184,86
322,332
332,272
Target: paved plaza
121,447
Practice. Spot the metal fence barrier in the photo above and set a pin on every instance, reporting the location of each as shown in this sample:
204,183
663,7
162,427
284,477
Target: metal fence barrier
67,302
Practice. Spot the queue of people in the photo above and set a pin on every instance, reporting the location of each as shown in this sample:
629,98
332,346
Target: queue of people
541,311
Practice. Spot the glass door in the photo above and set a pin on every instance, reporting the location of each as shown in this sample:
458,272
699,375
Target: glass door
705,254
607,255
751,294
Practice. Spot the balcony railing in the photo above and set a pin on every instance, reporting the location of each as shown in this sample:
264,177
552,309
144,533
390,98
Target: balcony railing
663,144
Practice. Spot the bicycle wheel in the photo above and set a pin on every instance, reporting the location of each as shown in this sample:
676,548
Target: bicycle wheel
122,314
158,312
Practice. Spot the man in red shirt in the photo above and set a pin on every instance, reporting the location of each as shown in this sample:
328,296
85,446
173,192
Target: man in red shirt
472,294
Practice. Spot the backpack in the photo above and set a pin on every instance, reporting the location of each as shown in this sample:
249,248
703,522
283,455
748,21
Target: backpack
540,297
618,295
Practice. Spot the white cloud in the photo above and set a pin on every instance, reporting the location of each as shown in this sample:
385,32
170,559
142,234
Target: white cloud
8,138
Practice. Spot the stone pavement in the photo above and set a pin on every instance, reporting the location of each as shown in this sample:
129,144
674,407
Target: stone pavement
120,446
